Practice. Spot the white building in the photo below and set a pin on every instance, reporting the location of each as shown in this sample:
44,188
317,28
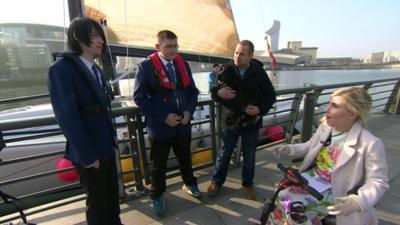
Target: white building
296,46
294,54
392,56
382,57
272,36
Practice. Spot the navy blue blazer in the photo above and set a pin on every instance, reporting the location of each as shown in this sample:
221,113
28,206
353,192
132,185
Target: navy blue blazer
81,107
157,102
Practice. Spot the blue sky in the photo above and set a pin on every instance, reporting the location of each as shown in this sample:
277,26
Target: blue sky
337,27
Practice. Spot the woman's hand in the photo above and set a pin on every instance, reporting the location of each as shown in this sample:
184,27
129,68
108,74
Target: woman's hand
344,206
280,149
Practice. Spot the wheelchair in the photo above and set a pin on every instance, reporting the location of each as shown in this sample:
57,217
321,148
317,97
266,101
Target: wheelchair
296,210
6,199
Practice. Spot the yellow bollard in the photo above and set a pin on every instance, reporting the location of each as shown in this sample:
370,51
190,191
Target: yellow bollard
127,165
201,155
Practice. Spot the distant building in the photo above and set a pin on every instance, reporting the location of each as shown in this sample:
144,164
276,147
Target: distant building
382,57
296,46
374,58
294,54
335,61
25,49
392,56
283,57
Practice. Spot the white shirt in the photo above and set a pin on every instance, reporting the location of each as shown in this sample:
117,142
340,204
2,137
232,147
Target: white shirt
243,71
164,61
89,65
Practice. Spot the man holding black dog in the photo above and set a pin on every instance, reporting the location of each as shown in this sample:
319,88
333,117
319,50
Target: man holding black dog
239,120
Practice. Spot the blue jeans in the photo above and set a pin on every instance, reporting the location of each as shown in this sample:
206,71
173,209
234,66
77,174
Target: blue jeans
249,145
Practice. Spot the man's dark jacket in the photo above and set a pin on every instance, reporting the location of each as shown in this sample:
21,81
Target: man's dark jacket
81,107
157,102
255,79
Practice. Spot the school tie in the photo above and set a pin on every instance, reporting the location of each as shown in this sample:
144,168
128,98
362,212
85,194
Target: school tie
171,73
96,74
102,85
176,92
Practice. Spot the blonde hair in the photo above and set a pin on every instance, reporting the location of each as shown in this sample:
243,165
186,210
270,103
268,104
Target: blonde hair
357,100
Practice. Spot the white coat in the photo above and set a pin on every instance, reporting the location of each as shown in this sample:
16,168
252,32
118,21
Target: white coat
362,162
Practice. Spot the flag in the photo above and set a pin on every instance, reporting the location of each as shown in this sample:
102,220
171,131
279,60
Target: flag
274,63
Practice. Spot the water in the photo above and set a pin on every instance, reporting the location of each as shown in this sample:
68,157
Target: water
301,78
304,78
285,80
10,89
323,77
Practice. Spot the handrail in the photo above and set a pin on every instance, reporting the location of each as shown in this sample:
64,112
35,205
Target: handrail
136,128
330,86
23,98
21,123
13,124
309,106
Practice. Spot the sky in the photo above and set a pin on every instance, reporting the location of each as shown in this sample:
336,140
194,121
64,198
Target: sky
21,11
339,28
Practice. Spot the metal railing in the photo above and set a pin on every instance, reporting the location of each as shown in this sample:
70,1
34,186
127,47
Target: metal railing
135,160
293,104
319,98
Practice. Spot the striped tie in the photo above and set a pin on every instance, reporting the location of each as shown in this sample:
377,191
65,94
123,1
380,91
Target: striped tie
171,72
96,74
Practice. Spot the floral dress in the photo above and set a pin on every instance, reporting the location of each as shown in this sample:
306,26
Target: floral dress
294,205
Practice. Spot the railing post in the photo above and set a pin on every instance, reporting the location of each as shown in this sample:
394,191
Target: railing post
214,146
397,111
142,147
121,187
293,117
394,100
367,86
137,168
218,123
308,116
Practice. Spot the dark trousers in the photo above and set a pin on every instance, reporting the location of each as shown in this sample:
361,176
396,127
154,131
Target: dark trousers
101,187
159,154
249,145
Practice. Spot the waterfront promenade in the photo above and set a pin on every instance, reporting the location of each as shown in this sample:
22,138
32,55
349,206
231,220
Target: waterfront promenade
231,206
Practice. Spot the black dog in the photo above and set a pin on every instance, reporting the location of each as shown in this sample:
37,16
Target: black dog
245,96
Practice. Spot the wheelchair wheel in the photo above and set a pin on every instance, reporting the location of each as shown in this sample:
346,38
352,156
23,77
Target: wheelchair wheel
268,208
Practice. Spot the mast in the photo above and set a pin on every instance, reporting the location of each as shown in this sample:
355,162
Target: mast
75,8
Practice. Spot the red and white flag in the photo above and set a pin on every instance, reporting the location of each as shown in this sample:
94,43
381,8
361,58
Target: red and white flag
274,63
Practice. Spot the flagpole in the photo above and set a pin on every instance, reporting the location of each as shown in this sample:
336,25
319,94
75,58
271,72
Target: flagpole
273,77
274,63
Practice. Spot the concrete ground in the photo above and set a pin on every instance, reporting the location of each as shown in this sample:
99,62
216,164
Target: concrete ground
231,206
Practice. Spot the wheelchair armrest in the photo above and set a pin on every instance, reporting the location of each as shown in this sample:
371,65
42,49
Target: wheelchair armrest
297,160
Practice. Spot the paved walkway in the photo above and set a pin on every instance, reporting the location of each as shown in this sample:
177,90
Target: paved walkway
231,206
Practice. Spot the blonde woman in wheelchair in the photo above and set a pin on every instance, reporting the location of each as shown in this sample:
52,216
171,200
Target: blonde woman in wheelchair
343,153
